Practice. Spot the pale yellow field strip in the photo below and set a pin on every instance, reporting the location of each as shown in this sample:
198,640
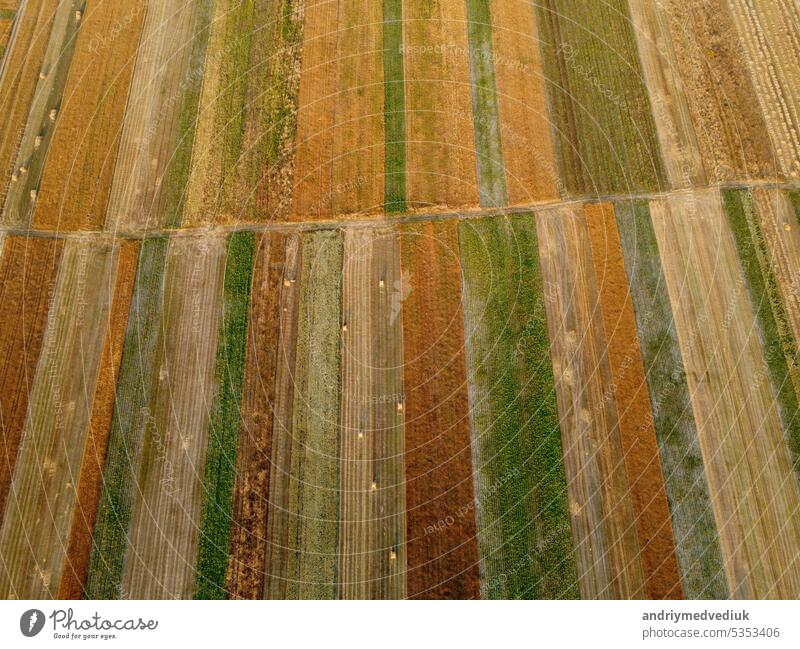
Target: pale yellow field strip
372,491
667,96
39,512
161,559
769,31
531,168
603,529
753,491
21,65
27,145
151,115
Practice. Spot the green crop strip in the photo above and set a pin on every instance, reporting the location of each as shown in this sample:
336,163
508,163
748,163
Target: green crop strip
485,110
697,540
138,378
605,132
225,420
522,488
7,14
394,107
178,173
780,347
794,197
314,486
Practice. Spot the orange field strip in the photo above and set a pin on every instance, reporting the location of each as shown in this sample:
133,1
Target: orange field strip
90,482
28,270
662,578
77,177
441,165
146,141
782,236
531,167
442,550
245,578
769,31
753,491
161,559
340,135
41,502
603,524
372,494
668,99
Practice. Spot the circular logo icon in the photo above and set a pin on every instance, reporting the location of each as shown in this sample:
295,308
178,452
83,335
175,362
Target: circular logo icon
31,622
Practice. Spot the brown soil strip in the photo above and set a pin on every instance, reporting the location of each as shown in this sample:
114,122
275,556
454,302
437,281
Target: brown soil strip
27,281
531,167
40,506
441,165
668,99
753,491
372,496
769,32
90,484
442,550
245,578
277,556
731,133
20,77
603,524
77,177
637,431
161,562
147,141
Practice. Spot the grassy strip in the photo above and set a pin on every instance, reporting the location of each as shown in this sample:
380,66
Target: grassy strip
605,132
225,420
395,107
7,14
697,540
177,174
313,495
522,490
137,381
794,197
780,347
485,109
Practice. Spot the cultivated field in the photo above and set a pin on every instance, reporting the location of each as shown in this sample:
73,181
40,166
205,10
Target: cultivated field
331,299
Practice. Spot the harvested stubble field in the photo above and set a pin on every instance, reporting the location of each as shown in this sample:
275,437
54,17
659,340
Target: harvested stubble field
269,328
